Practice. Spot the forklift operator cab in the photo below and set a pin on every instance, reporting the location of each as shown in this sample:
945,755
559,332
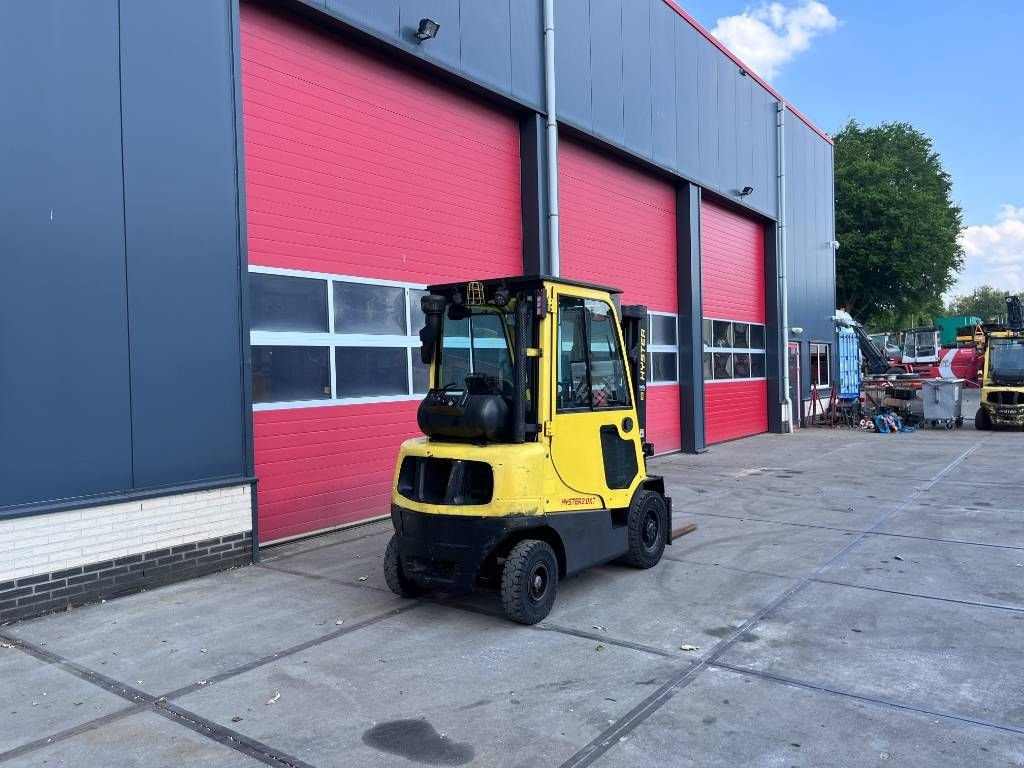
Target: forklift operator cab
532,466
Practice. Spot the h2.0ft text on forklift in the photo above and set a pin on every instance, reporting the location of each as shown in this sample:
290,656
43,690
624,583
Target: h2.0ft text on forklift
533,462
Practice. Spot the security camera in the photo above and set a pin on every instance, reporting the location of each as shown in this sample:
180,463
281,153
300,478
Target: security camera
833,244
796,330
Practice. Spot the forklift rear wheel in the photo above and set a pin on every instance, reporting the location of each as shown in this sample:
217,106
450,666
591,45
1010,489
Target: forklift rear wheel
647,528
397,581
529,581
981,419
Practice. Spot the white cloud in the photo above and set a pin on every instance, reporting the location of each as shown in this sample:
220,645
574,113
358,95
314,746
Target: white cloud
994,253
770,35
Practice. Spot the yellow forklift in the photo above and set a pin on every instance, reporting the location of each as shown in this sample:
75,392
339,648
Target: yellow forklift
532,464
1002,377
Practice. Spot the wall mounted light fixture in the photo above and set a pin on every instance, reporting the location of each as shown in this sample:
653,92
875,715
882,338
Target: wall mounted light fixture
746,191
427,30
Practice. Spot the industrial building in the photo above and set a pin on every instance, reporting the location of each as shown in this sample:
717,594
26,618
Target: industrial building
218,218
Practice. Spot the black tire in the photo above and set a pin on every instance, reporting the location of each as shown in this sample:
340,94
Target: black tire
529,581
393,574
647,528
895,370
981,419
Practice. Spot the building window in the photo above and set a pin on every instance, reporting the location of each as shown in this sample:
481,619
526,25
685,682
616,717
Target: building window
820,367
320,339
732,350
662,348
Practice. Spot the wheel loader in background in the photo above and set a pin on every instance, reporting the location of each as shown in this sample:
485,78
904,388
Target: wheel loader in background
532,463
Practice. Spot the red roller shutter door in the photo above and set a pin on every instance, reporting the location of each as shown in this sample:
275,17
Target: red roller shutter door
618,228
359,168
732,283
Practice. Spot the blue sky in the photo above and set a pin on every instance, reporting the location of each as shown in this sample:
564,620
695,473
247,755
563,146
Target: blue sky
951,69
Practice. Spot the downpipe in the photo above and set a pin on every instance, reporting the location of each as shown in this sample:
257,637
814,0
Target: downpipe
551,131
780,251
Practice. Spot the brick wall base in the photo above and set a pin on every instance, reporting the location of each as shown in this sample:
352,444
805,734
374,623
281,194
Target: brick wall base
70,587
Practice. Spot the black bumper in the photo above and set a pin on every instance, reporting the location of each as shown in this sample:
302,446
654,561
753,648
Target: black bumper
445,552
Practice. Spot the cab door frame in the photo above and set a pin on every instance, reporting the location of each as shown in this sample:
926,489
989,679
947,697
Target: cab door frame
584,441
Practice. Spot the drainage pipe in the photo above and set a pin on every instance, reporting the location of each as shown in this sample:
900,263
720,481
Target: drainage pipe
551,124
780,251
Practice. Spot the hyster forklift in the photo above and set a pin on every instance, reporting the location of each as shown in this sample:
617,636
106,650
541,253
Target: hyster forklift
533,462
1002,378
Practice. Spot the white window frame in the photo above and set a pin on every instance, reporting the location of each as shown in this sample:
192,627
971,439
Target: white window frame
828,363
705,348
652,348
332,340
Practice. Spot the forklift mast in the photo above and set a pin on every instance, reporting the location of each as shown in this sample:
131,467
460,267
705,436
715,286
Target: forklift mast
1014,313
634,332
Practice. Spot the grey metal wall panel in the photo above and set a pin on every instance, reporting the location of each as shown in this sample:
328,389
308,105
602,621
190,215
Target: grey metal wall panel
637,78
688,101
379,16
727,170
709,125
64,420
446,47
663,84
486,36
809,232
181,233
527,29
572,61
606,69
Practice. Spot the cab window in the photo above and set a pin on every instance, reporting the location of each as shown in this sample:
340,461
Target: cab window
591,374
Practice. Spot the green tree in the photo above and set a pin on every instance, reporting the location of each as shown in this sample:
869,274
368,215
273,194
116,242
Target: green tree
984,301
896,223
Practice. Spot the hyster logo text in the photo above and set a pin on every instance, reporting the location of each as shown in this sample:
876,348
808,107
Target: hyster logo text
577,501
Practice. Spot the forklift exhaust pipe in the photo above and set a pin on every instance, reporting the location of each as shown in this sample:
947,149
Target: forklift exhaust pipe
519,369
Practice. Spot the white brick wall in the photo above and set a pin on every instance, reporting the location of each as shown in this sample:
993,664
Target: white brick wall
59,540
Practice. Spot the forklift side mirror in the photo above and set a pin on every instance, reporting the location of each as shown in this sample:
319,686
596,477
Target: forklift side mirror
433,316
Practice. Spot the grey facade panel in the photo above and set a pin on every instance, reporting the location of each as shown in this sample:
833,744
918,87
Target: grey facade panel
688,102
380,16
527,30
709,123
181,229
572,62
606,93
485,30
637,79
809,233
728,116
65,427
663,85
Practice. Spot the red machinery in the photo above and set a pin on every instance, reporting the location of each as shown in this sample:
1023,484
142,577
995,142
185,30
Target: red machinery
924,355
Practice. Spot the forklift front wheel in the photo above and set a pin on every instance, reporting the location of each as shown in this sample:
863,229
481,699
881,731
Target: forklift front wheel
529,581
647,528
981,419
397,581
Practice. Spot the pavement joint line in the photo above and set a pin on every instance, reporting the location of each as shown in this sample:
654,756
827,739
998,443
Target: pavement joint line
607,640
632,719
688,561
348,628
975,603
979,484
938,540
775,678
228,737
67,733
147,702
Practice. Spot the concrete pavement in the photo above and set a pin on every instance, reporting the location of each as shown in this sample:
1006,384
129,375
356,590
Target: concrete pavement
855,600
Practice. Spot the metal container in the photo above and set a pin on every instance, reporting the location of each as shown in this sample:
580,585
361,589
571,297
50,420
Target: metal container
942,400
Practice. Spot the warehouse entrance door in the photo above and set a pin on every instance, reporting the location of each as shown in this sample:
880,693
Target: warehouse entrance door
618,228
365,182
733,328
